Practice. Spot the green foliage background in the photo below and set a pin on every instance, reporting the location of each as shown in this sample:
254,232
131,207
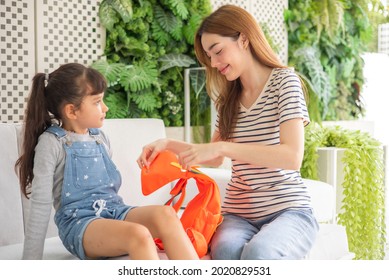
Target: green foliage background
326,40
148,44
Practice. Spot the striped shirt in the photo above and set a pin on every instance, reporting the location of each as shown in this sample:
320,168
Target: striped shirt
257,191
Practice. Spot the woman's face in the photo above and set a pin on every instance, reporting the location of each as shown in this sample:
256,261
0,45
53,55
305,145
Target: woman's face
225,53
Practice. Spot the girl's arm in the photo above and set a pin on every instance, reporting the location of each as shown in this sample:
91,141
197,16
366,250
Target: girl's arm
41,199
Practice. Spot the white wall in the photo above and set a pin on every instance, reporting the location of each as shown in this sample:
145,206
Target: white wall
375,94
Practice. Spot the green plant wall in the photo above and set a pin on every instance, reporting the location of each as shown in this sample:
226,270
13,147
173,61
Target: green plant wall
148,44
363,205
325,42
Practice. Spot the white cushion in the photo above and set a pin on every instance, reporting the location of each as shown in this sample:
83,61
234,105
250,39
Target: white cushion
323,200
10,198
331,244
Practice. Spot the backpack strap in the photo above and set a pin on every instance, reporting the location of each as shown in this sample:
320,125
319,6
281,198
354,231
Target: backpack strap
179,189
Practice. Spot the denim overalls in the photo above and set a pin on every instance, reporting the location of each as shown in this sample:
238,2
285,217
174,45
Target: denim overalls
89,190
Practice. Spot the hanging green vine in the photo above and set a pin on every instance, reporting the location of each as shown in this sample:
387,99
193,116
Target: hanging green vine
363,205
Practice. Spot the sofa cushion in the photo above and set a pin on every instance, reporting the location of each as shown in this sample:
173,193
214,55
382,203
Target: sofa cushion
323,200
10,198
331,244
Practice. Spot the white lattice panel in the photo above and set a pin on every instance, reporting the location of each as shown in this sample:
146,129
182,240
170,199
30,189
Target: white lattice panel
383,38
245,4
17,56
269,12
67,31
38,36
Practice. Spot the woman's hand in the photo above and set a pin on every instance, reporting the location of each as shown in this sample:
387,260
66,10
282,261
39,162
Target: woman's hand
198,154
150,151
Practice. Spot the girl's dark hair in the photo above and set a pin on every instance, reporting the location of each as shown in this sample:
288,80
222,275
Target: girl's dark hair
69,84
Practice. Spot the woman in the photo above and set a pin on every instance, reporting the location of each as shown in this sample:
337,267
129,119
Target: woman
260,127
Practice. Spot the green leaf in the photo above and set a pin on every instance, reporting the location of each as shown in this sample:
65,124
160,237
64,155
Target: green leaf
308,59
117,104
111,71
165,19
160,35
197,80
191,27
137,78
145,100
108,16
175,60
123,7
179,8
177,33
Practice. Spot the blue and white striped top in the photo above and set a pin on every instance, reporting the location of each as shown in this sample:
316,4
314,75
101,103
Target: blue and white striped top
257,191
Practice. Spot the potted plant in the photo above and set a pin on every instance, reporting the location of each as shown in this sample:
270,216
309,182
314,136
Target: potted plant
363,203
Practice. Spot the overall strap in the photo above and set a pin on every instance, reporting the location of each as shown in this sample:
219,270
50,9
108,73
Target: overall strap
94,131
58,131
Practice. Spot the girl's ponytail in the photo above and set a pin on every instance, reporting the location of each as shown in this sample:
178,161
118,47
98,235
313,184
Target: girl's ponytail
37,119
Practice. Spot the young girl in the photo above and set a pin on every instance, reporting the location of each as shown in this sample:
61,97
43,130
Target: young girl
66,162
260,126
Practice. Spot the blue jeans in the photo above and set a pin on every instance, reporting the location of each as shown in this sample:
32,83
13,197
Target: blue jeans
289,234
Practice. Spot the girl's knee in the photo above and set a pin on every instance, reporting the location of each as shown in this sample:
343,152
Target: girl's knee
168,212
139,237
166,221
166,215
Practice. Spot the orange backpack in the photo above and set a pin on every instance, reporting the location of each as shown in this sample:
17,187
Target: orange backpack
202,214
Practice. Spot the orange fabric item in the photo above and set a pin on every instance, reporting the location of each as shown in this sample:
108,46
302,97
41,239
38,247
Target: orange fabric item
202,215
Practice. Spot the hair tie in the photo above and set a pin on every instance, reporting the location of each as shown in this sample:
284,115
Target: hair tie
46,79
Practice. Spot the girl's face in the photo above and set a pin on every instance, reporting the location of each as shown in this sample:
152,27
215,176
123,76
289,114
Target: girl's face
225,53
92,111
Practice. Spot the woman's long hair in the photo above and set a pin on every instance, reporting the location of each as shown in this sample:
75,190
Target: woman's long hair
231,21
69,84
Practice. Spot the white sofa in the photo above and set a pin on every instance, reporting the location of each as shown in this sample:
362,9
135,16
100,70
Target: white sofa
127,137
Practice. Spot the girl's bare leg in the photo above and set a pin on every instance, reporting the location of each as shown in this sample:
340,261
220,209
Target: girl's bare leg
111,238
163,223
